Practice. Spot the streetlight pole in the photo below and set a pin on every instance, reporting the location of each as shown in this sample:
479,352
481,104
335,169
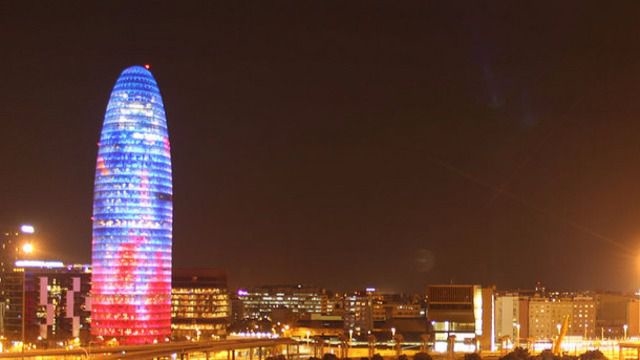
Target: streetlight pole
27,249
86,353
24,305
585,331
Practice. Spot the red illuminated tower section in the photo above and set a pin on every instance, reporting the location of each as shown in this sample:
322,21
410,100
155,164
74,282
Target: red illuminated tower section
132,216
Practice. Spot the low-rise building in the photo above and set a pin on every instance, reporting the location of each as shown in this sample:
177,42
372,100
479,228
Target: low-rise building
265,301
49,300
462,313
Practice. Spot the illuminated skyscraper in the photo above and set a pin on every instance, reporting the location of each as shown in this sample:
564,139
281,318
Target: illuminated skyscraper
132,215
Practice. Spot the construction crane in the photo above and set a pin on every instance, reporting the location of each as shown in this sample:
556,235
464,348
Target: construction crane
557,345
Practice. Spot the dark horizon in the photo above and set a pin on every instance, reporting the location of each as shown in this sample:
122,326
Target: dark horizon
346,145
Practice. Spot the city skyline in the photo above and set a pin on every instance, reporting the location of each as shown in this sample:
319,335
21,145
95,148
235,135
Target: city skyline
347,145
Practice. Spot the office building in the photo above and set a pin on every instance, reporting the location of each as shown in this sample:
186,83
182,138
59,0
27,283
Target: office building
462,315
49,300
613,319
583,317
511,318
200,305
282,303
133,215
363,309
16,242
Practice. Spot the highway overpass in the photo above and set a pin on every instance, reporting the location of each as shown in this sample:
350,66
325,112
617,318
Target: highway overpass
257,349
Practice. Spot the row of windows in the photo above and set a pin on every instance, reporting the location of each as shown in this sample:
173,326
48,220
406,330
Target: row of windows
200,315
153,173
125,213
118,267
152,160
131,300
112,184
143,197
201,303
110,150
157,167
141,224
140,91
133,206
158,242
109,264
197,291
110,146
109,329
199,326
131,86
154,245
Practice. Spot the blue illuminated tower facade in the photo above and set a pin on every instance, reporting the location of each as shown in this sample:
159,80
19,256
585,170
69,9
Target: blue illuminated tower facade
132,215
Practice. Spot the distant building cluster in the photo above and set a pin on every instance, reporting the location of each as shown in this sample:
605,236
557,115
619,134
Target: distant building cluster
48,303
472,316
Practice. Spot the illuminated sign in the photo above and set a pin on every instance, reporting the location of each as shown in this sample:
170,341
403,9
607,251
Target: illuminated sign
27,229
39,264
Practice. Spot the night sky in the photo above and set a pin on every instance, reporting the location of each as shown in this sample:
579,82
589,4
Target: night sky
346,143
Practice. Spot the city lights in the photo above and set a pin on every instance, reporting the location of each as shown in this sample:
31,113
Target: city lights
39,264
27,248
27,229
388,180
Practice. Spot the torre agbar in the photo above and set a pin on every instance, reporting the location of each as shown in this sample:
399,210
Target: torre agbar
132,216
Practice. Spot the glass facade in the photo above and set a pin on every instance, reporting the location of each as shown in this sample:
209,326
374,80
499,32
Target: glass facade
132,215
200,304
260,302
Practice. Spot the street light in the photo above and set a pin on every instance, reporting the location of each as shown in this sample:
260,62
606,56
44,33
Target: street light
27,248
517,326
585,331
393,335
625,327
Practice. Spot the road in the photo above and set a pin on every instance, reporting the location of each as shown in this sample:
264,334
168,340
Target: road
154,350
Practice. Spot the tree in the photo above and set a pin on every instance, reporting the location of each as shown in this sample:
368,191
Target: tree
472,356
329,356
517,354
592,355
422,356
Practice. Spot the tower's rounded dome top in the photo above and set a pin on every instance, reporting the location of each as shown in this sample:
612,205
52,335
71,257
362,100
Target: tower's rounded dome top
136,78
